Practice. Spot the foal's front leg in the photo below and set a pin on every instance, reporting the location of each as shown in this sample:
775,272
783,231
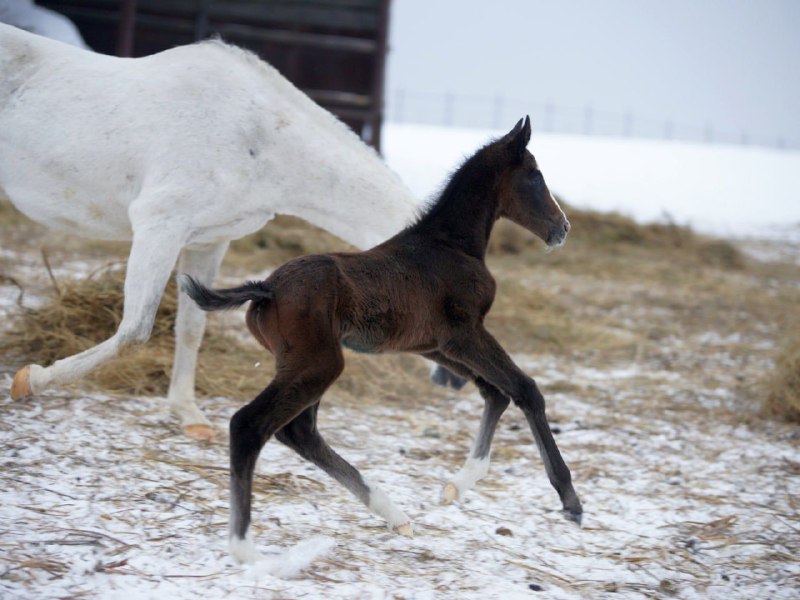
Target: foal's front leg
481,353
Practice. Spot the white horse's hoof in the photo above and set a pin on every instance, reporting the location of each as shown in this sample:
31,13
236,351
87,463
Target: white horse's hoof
405,529
21,386
199,432
450,494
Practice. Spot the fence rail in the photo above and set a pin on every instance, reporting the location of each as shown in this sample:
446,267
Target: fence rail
460,110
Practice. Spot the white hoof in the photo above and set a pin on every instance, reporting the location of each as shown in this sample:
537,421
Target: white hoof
243,551
405,529
449,494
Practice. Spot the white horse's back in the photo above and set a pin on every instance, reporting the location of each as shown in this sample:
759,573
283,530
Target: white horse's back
219,133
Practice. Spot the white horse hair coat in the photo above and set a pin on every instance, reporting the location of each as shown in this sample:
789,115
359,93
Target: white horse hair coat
180,152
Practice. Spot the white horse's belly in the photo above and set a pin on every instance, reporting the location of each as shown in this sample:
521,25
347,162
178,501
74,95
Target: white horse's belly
65,199
228,214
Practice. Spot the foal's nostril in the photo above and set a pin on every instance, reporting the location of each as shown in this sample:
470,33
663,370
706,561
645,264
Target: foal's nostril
566,226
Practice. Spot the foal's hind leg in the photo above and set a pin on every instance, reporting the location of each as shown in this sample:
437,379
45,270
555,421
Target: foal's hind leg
477,464
153,254
302,436
314,363
250,428
190,324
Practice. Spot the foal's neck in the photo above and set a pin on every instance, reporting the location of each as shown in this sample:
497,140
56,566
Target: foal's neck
465,212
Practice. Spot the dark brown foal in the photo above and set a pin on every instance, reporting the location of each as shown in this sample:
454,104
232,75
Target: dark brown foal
426,290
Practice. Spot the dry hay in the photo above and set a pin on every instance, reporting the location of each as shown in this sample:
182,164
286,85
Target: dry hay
563,302
529,316
524,316
9,215
615,234
286,237
283,238
783,385
84,312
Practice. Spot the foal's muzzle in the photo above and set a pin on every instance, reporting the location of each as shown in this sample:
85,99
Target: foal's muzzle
558,233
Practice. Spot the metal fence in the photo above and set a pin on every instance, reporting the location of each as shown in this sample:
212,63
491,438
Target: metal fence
460,110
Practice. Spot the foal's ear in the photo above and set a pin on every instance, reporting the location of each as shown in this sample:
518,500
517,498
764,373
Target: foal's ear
519,137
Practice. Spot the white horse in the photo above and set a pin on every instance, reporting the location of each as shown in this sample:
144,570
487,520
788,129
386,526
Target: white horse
179,152
36,19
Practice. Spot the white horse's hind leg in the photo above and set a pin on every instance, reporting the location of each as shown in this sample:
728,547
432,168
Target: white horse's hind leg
153,254
202,264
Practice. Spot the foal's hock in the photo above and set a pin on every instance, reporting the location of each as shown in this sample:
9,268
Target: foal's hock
427,291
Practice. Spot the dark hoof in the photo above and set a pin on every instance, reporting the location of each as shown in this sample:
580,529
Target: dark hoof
574,516
445,378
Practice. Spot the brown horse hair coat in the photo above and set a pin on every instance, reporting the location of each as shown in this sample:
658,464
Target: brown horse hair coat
426,290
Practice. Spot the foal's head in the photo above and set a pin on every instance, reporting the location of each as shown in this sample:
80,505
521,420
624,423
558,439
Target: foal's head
524,197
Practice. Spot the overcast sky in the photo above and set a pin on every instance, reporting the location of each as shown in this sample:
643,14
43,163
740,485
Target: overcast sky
733,63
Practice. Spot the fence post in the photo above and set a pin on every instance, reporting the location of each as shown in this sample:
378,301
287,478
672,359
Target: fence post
709,133
493,109
448,109
627,124
498,112
549,116
587,121
399,105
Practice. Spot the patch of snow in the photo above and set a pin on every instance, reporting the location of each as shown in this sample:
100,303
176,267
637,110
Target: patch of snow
723,190
292,562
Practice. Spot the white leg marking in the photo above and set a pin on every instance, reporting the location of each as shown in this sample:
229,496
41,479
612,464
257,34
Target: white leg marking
474,470
381,505
244,550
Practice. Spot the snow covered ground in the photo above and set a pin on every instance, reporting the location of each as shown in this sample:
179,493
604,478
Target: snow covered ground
107,500
103,498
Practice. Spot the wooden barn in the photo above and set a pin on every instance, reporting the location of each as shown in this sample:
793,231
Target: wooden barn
334,50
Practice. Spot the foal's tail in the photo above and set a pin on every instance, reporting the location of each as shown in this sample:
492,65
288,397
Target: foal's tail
209,299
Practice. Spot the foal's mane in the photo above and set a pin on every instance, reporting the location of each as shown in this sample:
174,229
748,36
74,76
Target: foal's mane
472,178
